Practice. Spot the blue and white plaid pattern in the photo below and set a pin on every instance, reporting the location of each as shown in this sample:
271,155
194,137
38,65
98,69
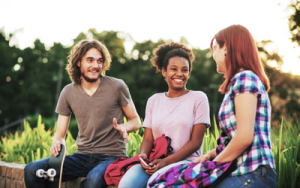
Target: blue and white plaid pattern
260,152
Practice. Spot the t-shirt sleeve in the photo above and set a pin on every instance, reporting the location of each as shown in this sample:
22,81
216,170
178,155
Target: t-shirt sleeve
63,107
245,82
124,94
148,116
202,111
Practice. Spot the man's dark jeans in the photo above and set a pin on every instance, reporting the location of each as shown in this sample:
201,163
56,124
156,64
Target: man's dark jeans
91,166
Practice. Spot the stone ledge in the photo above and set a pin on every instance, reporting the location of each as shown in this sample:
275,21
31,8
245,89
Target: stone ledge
12,176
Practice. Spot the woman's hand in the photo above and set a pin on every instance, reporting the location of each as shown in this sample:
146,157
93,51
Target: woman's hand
156,165
144,157
207,157
202,158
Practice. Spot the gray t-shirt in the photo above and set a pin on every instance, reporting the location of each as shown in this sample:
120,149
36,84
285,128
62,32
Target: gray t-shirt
94,115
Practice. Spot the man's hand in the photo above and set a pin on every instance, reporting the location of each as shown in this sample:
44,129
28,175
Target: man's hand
121,129
55,148
59,137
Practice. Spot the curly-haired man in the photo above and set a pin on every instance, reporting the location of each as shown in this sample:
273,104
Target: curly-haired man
99,104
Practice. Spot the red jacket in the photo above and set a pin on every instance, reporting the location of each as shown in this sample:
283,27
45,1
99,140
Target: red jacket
116,170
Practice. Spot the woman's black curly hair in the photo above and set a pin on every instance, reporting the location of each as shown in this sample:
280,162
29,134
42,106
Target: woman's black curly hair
164,52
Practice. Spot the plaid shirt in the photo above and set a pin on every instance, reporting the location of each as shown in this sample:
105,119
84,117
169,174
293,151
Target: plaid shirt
260,151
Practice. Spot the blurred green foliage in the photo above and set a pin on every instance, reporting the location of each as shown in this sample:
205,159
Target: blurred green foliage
286,152
31,144
294,21
34,144
31,79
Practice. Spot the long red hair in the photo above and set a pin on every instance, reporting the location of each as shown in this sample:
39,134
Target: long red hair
241,53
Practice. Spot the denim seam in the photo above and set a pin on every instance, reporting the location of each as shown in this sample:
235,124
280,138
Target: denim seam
239,177
262,179
143,183
269,175
245,179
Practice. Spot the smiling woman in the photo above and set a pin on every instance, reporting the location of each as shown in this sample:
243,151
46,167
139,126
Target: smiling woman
177,74
180,114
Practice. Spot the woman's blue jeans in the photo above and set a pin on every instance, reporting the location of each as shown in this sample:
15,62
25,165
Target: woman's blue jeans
136,177
91,166
260,178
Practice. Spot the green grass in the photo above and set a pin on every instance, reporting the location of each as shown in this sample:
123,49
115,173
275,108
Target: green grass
34,144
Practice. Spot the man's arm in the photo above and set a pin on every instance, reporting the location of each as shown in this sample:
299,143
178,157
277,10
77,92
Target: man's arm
133,123
59,138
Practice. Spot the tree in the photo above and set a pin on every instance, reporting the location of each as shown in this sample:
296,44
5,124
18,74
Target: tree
9,81
28,79
283,92
31,79
294,22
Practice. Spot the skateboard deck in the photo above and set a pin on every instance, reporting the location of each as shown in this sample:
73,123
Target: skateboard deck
54,172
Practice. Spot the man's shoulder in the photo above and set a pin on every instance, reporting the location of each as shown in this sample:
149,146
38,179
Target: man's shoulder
70,86
112,81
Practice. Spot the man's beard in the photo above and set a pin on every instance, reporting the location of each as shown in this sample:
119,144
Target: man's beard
89,79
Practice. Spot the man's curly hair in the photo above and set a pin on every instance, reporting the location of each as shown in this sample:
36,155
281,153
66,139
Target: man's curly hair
164,52
78,51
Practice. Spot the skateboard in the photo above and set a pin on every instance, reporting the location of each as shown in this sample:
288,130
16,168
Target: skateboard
54,172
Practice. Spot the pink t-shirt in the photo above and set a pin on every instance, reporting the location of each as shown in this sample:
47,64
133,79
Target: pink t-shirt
175,117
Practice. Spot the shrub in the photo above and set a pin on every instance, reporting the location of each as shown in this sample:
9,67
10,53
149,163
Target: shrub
34,144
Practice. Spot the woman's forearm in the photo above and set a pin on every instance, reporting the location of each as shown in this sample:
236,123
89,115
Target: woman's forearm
183,153
234,149
146,147
211,154
190,147
245,121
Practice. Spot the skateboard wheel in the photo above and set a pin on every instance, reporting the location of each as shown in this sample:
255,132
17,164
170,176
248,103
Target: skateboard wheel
39,173
51,172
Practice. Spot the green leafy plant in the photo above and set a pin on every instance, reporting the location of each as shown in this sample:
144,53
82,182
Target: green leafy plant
31,144
134,142
286,155
34,144
210,138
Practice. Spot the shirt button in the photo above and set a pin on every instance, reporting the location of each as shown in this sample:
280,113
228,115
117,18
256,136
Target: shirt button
246,183
249,180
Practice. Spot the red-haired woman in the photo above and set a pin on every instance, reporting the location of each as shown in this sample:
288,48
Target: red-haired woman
245,113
